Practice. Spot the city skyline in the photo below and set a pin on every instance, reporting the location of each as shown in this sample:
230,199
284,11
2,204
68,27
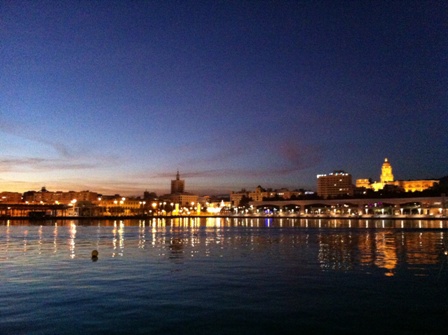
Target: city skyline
117,96
178,185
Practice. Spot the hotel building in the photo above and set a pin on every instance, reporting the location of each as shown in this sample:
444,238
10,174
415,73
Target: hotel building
338,183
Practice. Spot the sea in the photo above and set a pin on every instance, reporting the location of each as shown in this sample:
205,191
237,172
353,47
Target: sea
224,276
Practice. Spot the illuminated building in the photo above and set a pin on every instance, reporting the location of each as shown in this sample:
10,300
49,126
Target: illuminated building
387,179
178,194
260,194
117,205
334,184
416,185
386,172
363,183
10,197
184,199
217,206
45,196
236,197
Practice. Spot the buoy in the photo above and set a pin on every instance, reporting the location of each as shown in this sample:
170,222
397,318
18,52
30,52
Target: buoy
94,255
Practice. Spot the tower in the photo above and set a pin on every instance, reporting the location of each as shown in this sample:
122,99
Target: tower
386,172
177,185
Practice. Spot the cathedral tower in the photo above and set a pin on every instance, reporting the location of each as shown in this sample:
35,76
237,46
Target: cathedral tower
386,172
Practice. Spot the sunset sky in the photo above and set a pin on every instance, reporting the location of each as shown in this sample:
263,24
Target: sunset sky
116,96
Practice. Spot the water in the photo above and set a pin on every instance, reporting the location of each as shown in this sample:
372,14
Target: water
224,276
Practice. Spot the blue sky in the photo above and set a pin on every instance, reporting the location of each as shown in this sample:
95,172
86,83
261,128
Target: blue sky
116,96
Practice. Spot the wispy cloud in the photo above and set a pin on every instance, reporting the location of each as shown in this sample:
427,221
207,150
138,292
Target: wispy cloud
227,173
40,164
67,157
60,148
289,158
300,157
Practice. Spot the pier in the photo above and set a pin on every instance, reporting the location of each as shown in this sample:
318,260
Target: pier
427,207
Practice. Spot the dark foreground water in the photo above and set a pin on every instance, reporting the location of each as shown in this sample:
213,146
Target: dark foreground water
217,276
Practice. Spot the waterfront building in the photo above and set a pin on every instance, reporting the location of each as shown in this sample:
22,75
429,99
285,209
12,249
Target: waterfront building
47,197
184,199
10,197
260,194
387,181
117,205
338,183
286,194
416,185
236,197
178,194
177,185
216,207
363,183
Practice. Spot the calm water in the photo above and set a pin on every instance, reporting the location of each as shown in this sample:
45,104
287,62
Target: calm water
218,276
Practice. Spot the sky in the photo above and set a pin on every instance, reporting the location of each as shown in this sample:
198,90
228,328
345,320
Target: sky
117,96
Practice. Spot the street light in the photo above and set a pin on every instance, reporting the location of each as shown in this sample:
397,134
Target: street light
73,204
154,206
142,205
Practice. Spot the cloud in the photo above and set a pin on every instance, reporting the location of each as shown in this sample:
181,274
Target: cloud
226,173
67,158
300,157
221,155
26,164
287,158
11,164
62,149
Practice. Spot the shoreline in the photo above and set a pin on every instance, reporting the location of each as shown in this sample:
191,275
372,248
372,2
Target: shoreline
151,217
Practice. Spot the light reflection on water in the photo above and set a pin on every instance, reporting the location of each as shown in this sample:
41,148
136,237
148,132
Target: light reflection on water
260,273
342,244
